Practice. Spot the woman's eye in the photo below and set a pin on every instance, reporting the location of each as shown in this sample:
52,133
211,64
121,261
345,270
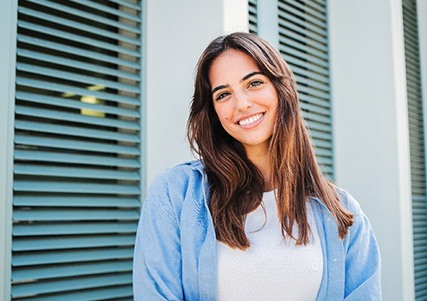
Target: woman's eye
255,83
222,95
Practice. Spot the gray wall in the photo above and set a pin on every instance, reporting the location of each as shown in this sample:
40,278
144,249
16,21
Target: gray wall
371,128
176,34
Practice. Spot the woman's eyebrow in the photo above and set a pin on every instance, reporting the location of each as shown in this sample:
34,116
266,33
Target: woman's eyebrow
218,88
244,78
250,74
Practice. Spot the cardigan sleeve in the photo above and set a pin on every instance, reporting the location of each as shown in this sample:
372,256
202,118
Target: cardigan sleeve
363,261
157,255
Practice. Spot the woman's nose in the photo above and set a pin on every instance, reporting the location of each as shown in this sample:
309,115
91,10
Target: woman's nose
242,101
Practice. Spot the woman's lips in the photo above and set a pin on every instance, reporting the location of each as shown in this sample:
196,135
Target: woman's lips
250,120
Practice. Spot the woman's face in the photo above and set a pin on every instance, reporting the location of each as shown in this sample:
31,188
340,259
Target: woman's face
244,99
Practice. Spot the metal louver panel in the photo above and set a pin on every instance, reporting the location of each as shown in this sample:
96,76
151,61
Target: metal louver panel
77,156
303,42
417,149
253,19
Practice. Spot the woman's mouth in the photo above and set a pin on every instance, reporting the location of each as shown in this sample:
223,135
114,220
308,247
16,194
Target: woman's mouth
250,120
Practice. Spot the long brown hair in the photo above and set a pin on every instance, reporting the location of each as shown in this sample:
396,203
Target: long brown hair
236,185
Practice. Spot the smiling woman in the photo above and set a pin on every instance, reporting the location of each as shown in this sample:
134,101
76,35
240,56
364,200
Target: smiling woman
245,101
253,218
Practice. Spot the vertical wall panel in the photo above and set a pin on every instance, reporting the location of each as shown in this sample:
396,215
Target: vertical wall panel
417,151
8,15
77,156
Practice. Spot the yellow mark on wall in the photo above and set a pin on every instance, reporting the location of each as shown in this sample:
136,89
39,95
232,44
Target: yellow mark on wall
92,100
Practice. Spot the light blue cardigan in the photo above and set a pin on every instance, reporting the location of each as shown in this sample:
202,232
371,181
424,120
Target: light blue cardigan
175,251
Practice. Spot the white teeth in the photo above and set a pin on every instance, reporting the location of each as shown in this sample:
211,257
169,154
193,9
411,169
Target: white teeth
250,119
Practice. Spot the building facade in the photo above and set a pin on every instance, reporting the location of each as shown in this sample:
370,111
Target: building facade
94,97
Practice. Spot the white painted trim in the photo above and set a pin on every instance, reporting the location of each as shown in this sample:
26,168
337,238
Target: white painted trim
370,121
143,98
422,39
236,16
400,87
268,21
8,15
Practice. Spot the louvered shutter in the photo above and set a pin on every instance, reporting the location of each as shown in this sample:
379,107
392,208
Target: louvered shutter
303,42
253,21
77,156
417,150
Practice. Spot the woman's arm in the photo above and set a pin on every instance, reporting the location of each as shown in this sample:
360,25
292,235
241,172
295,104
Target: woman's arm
157,257
363,262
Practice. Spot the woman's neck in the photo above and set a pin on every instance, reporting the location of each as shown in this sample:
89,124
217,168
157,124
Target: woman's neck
262,162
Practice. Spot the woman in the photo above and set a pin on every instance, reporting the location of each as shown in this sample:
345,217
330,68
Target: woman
254,219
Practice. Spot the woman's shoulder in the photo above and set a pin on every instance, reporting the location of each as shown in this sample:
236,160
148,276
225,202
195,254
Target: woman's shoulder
345,198
348,201
177,179
171,187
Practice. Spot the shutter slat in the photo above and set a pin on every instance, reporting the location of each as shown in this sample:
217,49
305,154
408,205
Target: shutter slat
297,61
76,38
76,283
420,224
71,270
318,11
64,187
319,127
313,35
76,145
33,258
78,25
128,4
77,64
306,16
89,16
298,49
61,102
58,243
314,92
319,5
324,153
74,131
295,24
108,293
107,9
309,75
88,80
73,215
40,84
70,172
320,112
78,228
322,140
324,103
75,201
31,155
77,51
81,119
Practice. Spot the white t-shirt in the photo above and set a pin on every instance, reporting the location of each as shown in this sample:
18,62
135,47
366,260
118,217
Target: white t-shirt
273,268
